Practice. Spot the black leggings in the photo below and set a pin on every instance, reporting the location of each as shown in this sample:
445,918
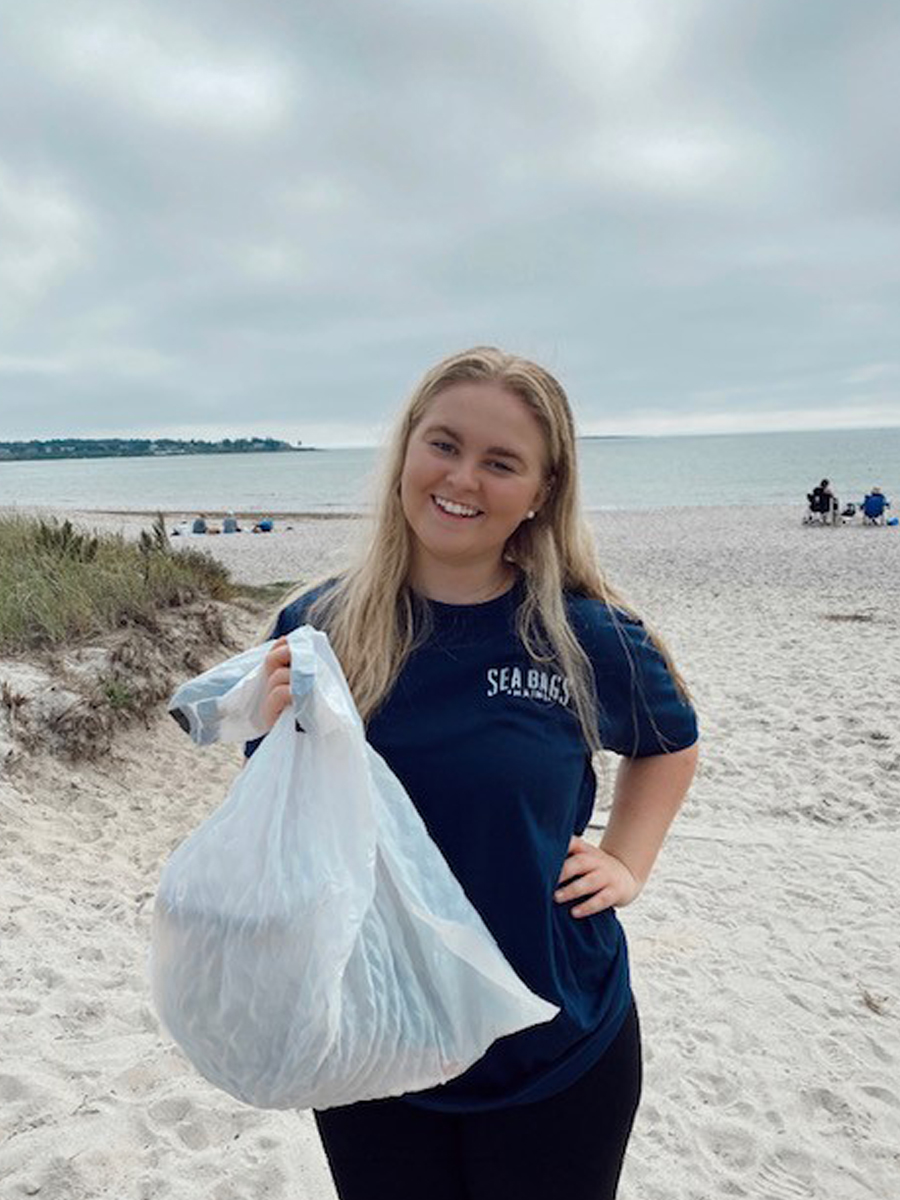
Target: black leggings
568,1147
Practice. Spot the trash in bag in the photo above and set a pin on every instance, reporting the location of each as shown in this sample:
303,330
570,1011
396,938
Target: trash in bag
310,945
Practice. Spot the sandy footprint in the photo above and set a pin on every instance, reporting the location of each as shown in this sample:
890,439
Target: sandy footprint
786,1175
733,1146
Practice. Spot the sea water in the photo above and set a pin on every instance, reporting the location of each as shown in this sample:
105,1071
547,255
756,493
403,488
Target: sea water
616,473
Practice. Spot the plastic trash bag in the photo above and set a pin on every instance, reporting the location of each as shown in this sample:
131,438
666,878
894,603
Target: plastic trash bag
310,945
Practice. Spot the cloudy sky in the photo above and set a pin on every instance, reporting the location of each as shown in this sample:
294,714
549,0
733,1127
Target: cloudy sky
219,219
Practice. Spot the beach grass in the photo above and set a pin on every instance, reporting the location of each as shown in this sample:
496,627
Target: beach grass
269,595
59,584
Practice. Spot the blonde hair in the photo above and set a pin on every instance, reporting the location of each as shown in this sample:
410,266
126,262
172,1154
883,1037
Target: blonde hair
374,619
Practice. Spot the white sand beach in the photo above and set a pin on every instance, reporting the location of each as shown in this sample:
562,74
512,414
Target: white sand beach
765,948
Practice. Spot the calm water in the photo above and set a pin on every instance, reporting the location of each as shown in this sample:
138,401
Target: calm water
764,468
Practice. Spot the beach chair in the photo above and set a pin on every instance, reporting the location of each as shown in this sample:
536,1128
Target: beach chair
874,507
822,507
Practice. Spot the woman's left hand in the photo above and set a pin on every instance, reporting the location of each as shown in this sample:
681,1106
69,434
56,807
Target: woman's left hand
596,879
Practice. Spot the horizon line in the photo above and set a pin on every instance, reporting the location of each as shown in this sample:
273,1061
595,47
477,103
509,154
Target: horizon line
580,437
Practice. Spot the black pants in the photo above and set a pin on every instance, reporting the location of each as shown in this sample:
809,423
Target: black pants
568,1147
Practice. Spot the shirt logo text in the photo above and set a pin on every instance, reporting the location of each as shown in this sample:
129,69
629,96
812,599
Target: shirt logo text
528,683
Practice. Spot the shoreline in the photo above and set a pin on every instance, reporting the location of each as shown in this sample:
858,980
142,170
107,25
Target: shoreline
44,510
794,510
329,514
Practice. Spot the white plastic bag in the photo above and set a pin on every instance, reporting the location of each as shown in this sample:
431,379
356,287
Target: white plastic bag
310,944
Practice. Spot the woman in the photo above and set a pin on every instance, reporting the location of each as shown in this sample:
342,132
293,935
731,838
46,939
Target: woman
489,658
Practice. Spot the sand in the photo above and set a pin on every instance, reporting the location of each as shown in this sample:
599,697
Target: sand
764,949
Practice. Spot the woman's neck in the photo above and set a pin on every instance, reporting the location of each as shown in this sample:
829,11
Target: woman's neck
462,585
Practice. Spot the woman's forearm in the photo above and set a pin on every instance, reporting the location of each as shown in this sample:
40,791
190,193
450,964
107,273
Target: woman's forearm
648,794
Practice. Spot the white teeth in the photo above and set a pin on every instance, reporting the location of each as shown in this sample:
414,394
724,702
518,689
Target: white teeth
457,510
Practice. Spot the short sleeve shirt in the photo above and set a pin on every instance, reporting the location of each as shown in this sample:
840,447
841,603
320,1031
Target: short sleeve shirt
488,747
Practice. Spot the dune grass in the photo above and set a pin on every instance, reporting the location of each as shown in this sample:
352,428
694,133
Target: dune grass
59,585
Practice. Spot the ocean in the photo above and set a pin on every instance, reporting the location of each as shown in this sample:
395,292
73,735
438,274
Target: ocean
616,473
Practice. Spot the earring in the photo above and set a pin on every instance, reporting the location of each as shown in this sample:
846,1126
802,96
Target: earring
530,515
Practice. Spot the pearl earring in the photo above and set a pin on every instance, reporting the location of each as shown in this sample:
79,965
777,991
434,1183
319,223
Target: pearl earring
530,515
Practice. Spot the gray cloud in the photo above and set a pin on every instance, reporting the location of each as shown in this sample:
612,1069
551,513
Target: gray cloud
274,216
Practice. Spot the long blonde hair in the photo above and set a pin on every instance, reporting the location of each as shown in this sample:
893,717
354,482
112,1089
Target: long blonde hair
374,619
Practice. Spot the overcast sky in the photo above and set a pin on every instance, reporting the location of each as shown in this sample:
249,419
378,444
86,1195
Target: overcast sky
225,218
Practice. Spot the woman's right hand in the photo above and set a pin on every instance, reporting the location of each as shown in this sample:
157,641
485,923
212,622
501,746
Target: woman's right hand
277,666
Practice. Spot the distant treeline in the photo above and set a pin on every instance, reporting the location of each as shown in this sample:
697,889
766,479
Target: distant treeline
136,447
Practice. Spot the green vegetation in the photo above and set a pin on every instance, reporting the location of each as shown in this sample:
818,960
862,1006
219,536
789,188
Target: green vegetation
117,693
136,447
59,585
269,596
62,541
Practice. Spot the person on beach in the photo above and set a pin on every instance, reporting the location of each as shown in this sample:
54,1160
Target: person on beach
824,502
199,525
874,506
489,659
230,524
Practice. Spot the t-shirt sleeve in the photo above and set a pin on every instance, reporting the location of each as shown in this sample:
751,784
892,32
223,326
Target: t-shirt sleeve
641,709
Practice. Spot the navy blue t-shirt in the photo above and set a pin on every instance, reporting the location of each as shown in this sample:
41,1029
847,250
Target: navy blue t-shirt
489,750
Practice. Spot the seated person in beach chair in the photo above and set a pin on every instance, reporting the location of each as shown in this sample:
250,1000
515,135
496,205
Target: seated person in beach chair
264,526
230,525
822,503
199,525
874,507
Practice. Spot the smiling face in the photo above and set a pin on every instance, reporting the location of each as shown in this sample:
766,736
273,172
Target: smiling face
475,466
